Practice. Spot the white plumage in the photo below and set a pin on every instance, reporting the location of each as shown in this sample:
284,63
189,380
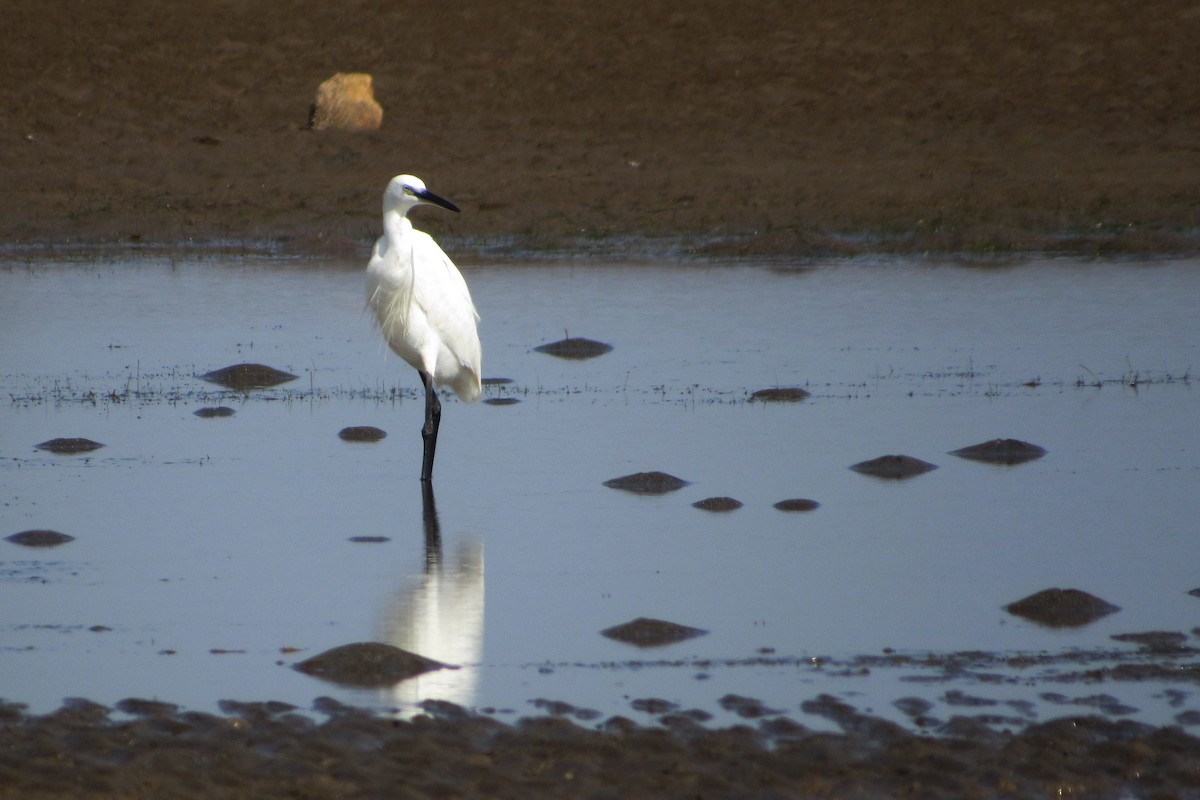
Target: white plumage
422,305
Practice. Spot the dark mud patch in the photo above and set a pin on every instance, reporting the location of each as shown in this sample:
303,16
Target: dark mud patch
139,707
575,348
1001,451
559,708
793,394
501,401
894,467
747,707
1061,608
69,446
648,632
797,504
980,669
369,539
367,664
957,697
918,710
267,750
851,720
243,377
1164,642
647,483
214,412
496,381
362,433
653,705
253,711
1104,703
39,538
717,504
40,570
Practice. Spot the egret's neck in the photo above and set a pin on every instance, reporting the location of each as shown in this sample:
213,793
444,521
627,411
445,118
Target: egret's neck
396,225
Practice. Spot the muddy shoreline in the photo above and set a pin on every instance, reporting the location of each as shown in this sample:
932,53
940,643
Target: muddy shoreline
812,129
267,750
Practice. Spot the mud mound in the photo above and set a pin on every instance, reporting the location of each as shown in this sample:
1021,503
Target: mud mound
647,483
367,664
894,467
647,632
243,377
1061,608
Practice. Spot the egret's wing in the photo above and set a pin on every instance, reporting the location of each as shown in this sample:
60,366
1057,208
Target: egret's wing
441,292
439,283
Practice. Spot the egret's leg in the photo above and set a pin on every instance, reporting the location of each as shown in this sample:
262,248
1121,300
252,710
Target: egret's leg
433,530
429,431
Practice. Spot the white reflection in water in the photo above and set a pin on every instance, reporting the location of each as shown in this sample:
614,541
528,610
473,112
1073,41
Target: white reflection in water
439,614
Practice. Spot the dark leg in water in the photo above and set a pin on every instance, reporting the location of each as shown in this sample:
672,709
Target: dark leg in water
433,530
429,431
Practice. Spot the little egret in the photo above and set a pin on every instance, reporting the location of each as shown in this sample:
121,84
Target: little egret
423,307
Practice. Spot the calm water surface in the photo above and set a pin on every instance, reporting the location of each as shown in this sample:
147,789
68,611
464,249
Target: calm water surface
211,554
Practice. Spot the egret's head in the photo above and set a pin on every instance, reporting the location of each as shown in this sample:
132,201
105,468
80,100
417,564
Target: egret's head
405,191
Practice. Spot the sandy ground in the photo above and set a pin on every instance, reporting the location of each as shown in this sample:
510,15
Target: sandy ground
762,128
766,128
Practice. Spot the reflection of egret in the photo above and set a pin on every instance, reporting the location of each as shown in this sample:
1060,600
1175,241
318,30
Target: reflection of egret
439,614
423,306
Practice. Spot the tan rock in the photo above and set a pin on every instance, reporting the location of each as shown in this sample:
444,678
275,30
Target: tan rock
346,101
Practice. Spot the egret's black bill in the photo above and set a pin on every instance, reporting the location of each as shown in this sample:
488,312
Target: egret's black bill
430,197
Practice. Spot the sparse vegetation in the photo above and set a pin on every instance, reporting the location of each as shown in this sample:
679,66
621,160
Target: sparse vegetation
171,387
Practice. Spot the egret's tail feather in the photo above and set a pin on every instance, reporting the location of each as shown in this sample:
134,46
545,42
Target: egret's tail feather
467,386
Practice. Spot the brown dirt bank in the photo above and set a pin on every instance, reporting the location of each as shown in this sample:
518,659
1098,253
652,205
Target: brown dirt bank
782,128
264,751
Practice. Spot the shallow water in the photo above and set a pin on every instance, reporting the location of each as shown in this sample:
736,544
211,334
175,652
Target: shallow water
215,553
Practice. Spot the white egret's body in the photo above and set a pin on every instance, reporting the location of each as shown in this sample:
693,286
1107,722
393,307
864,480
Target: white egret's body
423,306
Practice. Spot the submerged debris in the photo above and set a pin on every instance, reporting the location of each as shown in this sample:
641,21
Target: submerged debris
69,446
140,707
1001,451
717,504
575,348
213,411
797,504
243,377
791,394
1061,608
362,433
747,707
895,467
647,483
647,632
1155,641
367,664
256,711
39,538
652,705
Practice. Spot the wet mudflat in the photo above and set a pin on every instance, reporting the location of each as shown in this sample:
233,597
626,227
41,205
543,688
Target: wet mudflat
213,553
267,750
